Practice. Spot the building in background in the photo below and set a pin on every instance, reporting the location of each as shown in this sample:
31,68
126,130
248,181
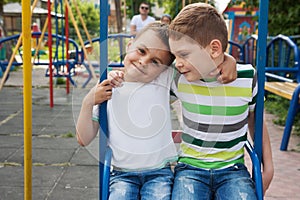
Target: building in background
241,23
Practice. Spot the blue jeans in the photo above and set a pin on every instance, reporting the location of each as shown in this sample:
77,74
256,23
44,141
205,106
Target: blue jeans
232,183
149,184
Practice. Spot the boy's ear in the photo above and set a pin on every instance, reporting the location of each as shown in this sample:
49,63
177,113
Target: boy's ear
215,48
130,42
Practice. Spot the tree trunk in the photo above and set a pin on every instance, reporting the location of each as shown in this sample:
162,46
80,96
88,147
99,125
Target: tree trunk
118,15
1,9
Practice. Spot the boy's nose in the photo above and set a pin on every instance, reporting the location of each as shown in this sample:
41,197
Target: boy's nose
178,65
143,61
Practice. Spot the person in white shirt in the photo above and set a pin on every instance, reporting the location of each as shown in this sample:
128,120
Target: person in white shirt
138,119
142,19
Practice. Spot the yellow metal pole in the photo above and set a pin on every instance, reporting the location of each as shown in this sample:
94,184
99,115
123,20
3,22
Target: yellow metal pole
27,98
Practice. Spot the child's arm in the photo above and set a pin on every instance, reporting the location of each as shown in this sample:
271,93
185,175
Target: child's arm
226,70
86,128
267,160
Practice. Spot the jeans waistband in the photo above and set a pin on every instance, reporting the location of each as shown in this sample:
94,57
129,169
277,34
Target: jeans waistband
133,170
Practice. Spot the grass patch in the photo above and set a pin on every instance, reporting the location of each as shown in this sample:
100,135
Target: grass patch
68,135
60,80
278,106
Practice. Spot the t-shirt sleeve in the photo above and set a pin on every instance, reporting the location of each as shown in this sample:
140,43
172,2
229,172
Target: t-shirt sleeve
133,20
95,116
252,104
152,19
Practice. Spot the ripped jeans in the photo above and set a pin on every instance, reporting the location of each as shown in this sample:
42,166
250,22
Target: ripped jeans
145,185
232,183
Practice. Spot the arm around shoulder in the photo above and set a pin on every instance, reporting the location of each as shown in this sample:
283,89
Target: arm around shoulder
227,69
267,158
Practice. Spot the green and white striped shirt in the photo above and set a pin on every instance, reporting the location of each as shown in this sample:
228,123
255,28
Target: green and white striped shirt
215,119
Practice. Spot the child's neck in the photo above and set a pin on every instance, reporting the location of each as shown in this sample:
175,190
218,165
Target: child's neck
219,60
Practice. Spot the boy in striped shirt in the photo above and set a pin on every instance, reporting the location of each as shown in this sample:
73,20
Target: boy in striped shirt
216,116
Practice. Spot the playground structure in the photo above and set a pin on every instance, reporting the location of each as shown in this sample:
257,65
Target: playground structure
63,66
282,72
67,55
104,165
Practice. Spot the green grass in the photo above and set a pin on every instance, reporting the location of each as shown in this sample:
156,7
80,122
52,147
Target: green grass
68,135
279,107
60,81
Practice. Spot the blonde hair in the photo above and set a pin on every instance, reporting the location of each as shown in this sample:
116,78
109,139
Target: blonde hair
162,32
202,23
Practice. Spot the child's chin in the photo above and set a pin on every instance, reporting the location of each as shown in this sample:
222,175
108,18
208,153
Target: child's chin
190,79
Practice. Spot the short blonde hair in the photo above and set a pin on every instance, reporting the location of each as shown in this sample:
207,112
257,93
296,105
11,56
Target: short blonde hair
162,32
202,23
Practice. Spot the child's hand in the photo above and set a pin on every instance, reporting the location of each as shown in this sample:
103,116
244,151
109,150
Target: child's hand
103,91
226,70
116,78
99,93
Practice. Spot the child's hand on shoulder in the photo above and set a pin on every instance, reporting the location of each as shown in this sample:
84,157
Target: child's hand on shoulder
116,78
226,71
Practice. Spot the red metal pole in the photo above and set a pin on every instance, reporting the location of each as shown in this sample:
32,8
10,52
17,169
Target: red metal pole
50,54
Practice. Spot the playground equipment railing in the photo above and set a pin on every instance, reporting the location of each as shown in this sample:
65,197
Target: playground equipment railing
4,42
282,71
59,61
283,78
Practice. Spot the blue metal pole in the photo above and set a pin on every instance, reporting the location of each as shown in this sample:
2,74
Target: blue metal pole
260,64
103,135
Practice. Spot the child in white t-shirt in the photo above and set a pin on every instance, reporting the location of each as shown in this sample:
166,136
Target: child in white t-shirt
138,118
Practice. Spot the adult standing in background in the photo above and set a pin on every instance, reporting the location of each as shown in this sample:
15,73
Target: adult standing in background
142,19
166,19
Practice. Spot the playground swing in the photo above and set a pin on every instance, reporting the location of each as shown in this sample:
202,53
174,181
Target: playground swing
255,152
7,67
104,151
67,40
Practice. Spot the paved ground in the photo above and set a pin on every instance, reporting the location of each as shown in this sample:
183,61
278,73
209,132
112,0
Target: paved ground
64,170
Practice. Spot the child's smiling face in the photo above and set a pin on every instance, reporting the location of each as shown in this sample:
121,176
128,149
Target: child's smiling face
146,58
192,60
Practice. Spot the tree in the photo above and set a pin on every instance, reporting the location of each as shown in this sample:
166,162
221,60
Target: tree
171,7
284,17
91,18
119,16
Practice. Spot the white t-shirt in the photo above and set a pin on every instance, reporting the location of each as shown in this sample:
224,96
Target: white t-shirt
139,23
139,124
